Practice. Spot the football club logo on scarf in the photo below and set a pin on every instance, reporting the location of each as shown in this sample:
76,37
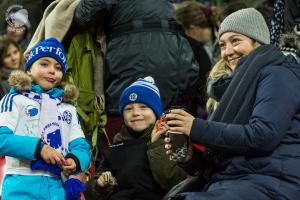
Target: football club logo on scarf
52,136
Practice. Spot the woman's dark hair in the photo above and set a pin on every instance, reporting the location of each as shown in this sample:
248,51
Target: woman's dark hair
5,41
231,8
192,13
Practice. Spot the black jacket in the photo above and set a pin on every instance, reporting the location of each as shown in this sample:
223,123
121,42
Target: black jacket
199,96
291,15
140,52
142,169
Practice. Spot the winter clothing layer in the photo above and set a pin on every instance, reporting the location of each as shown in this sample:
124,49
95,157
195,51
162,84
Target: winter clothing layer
56,21
142,169
248,22
144,40
143,90
20,141
48,48
254,134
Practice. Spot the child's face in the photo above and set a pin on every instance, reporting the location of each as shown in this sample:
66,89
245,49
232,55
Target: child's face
46,72
12,58
138,116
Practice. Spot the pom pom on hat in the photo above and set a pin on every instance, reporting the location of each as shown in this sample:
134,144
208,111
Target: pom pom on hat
143,91
48,48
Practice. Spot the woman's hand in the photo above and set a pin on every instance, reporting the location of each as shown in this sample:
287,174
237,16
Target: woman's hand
159,129
180,121
168,148
168,145
106,179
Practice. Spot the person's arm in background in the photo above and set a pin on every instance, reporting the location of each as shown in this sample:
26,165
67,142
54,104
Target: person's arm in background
92,12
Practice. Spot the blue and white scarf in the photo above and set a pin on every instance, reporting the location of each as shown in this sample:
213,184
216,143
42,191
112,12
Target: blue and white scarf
50,127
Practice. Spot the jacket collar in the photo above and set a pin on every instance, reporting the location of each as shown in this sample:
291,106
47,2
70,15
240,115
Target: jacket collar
22,82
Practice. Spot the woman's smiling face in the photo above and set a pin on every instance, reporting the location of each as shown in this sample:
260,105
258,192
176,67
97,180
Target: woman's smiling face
233,46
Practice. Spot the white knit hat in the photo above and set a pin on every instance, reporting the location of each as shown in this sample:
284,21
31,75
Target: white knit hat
248,22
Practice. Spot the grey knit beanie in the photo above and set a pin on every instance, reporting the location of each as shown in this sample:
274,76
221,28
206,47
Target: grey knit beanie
248,22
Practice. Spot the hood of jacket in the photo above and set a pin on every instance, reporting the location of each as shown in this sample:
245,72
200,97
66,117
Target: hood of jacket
22,82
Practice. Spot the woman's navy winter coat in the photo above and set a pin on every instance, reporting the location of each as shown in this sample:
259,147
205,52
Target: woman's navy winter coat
264,153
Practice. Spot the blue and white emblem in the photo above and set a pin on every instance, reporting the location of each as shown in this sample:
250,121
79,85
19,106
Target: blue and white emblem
51,134
133,97
67,116
31,111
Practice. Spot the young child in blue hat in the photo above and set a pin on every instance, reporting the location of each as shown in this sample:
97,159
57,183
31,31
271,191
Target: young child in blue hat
40,134
136,167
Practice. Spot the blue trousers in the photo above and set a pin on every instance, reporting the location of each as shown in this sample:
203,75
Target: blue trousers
16,187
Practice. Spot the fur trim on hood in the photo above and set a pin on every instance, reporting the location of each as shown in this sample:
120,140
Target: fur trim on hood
22,82
290,42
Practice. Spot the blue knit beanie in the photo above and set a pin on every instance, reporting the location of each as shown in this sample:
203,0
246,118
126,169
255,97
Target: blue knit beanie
48,48
142,91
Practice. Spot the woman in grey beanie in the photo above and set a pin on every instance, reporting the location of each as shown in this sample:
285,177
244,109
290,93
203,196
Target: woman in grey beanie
252,139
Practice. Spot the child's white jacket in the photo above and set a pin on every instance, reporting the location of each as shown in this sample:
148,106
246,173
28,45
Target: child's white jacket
19,134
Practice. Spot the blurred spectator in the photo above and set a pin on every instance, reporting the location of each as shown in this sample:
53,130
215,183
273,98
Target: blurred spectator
289,44
198,31
35,10
204,32
17,27
190,14
292,16
143,40
11,58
